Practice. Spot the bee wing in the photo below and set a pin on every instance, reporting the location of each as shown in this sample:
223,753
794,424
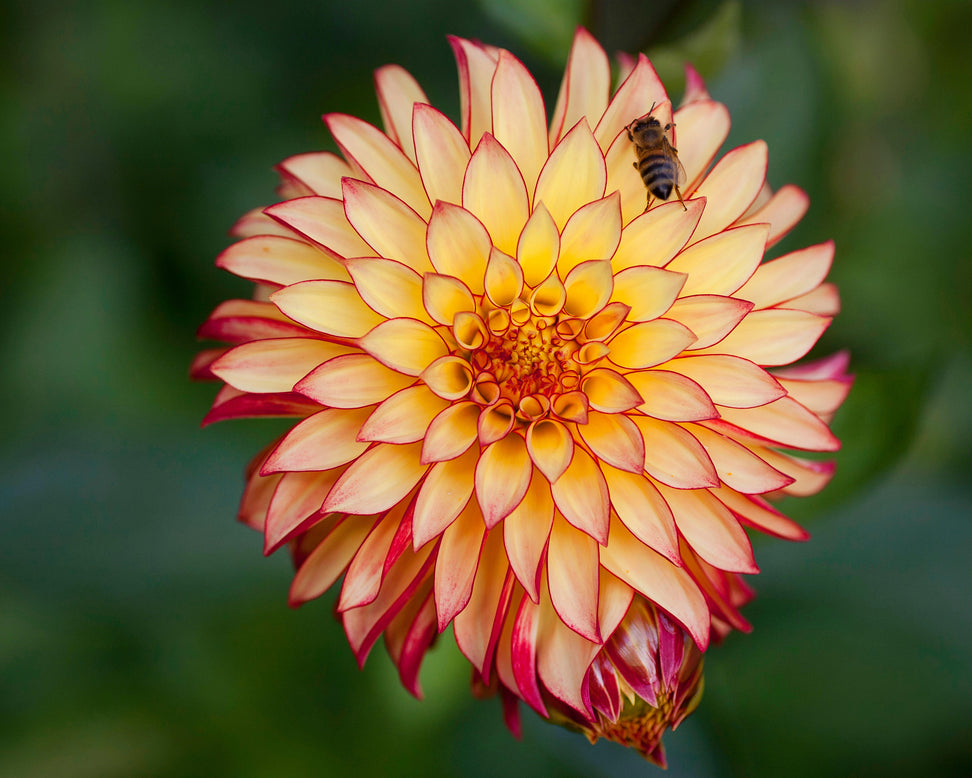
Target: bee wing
679,168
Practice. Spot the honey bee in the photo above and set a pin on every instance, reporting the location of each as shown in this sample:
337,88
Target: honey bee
657,159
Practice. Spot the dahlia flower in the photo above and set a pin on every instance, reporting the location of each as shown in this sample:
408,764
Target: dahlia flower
528,406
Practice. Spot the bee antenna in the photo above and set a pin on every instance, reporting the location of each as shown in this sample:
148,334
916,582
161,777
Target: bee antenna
652,108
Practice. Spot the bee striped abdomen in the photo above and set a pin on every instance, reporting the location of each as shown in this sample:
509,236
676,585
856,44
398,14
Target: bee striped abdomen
658,172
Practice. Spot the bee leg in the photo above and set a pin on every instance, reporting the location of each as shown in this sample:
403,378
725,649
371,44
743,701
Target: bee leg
679,193
648,202
634,165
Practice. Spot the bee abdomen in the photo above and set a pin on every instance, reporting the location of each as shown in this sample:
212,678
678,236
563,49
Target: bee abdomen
658,172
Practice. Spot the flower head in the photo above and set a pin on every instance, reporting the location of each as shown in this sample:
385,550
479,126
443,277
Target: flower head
529,406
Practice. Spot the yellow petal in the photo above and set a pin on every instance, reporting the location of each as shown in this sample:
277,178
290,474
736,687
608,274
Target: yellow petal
643,510
572,575
459,245
585,87
389,226
609,391
274,364
362,581
322,220
320,171
476,68
591,233
573,175
711,317
657,235
711,529
442,154
550,446
519,118
672,396
789,276
377,480
502,477
276,260
650,343
703,126
449,377
456,563
785,422
723,263
538,246
352,381
772,337
331,307
525,533
405,345
582,497
737,466
659,580
325,563
443,496
445,297
731,186
494,192
404,417
477,627
451,432
729,380
380,159
647,291
782,212
588,288
398,92
504,279
757,513
674,457
322,441
614,438
389,287
640,90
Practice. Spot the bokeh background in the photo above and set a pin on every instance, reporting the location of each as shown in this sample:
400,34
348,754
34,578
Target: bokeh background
141,631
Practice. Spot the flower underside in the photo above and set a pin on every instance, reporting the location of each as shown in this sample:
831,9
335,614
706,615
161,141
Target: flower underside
528,405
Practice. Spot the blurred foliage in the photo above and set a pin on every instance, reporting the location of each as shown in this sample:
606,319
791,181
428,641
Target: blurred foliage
141,632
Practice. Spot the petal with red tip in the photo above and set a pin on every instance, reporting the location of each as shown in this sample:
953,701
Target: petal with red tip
398,92
643,510
731,186
782,212
380,158
443,496
789,276
702,127
451,432
274,364
519,118
785,422
772,337
673,455
659,580
405,345
389,226
404,417
352,381
710,317
502,477
476,68
592,232
276,260
755,512
390,288
332,307
609,391
322,441
494,192
634,98
731,381
737,466
329,559
573,176
459,245
650,343
585,87
457,562
582,496
722,263
588,288
442,154
322,220
657,235
320,171
363,579
672,396
525,533
477,627
572,575
647,291
377,480
614,438
295,506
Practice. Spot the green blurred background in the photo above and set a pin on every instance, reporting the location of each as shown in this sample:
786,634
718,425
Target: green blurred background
141,631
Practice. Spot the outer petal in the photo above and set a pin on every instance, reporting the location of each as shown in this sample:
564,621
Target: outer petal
456,563
739,467
276,260
573,175
789,276
722,263
711,529
389,226
643,511
657,235
380,158
322,220
525,532
493,190
785,422
582,497
405,345
519,119
476,68
674,457
647,291
329,559
502,477
404,417
634,98
331,307
731,381
572,574
672,396
710,317
274,364
703,127
782,212
442,154
319,171
772,337
388,287
377,480
614,439
658,580
478,626
443,496
586,85
398,92
755,512
322,441
352,381
731,186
